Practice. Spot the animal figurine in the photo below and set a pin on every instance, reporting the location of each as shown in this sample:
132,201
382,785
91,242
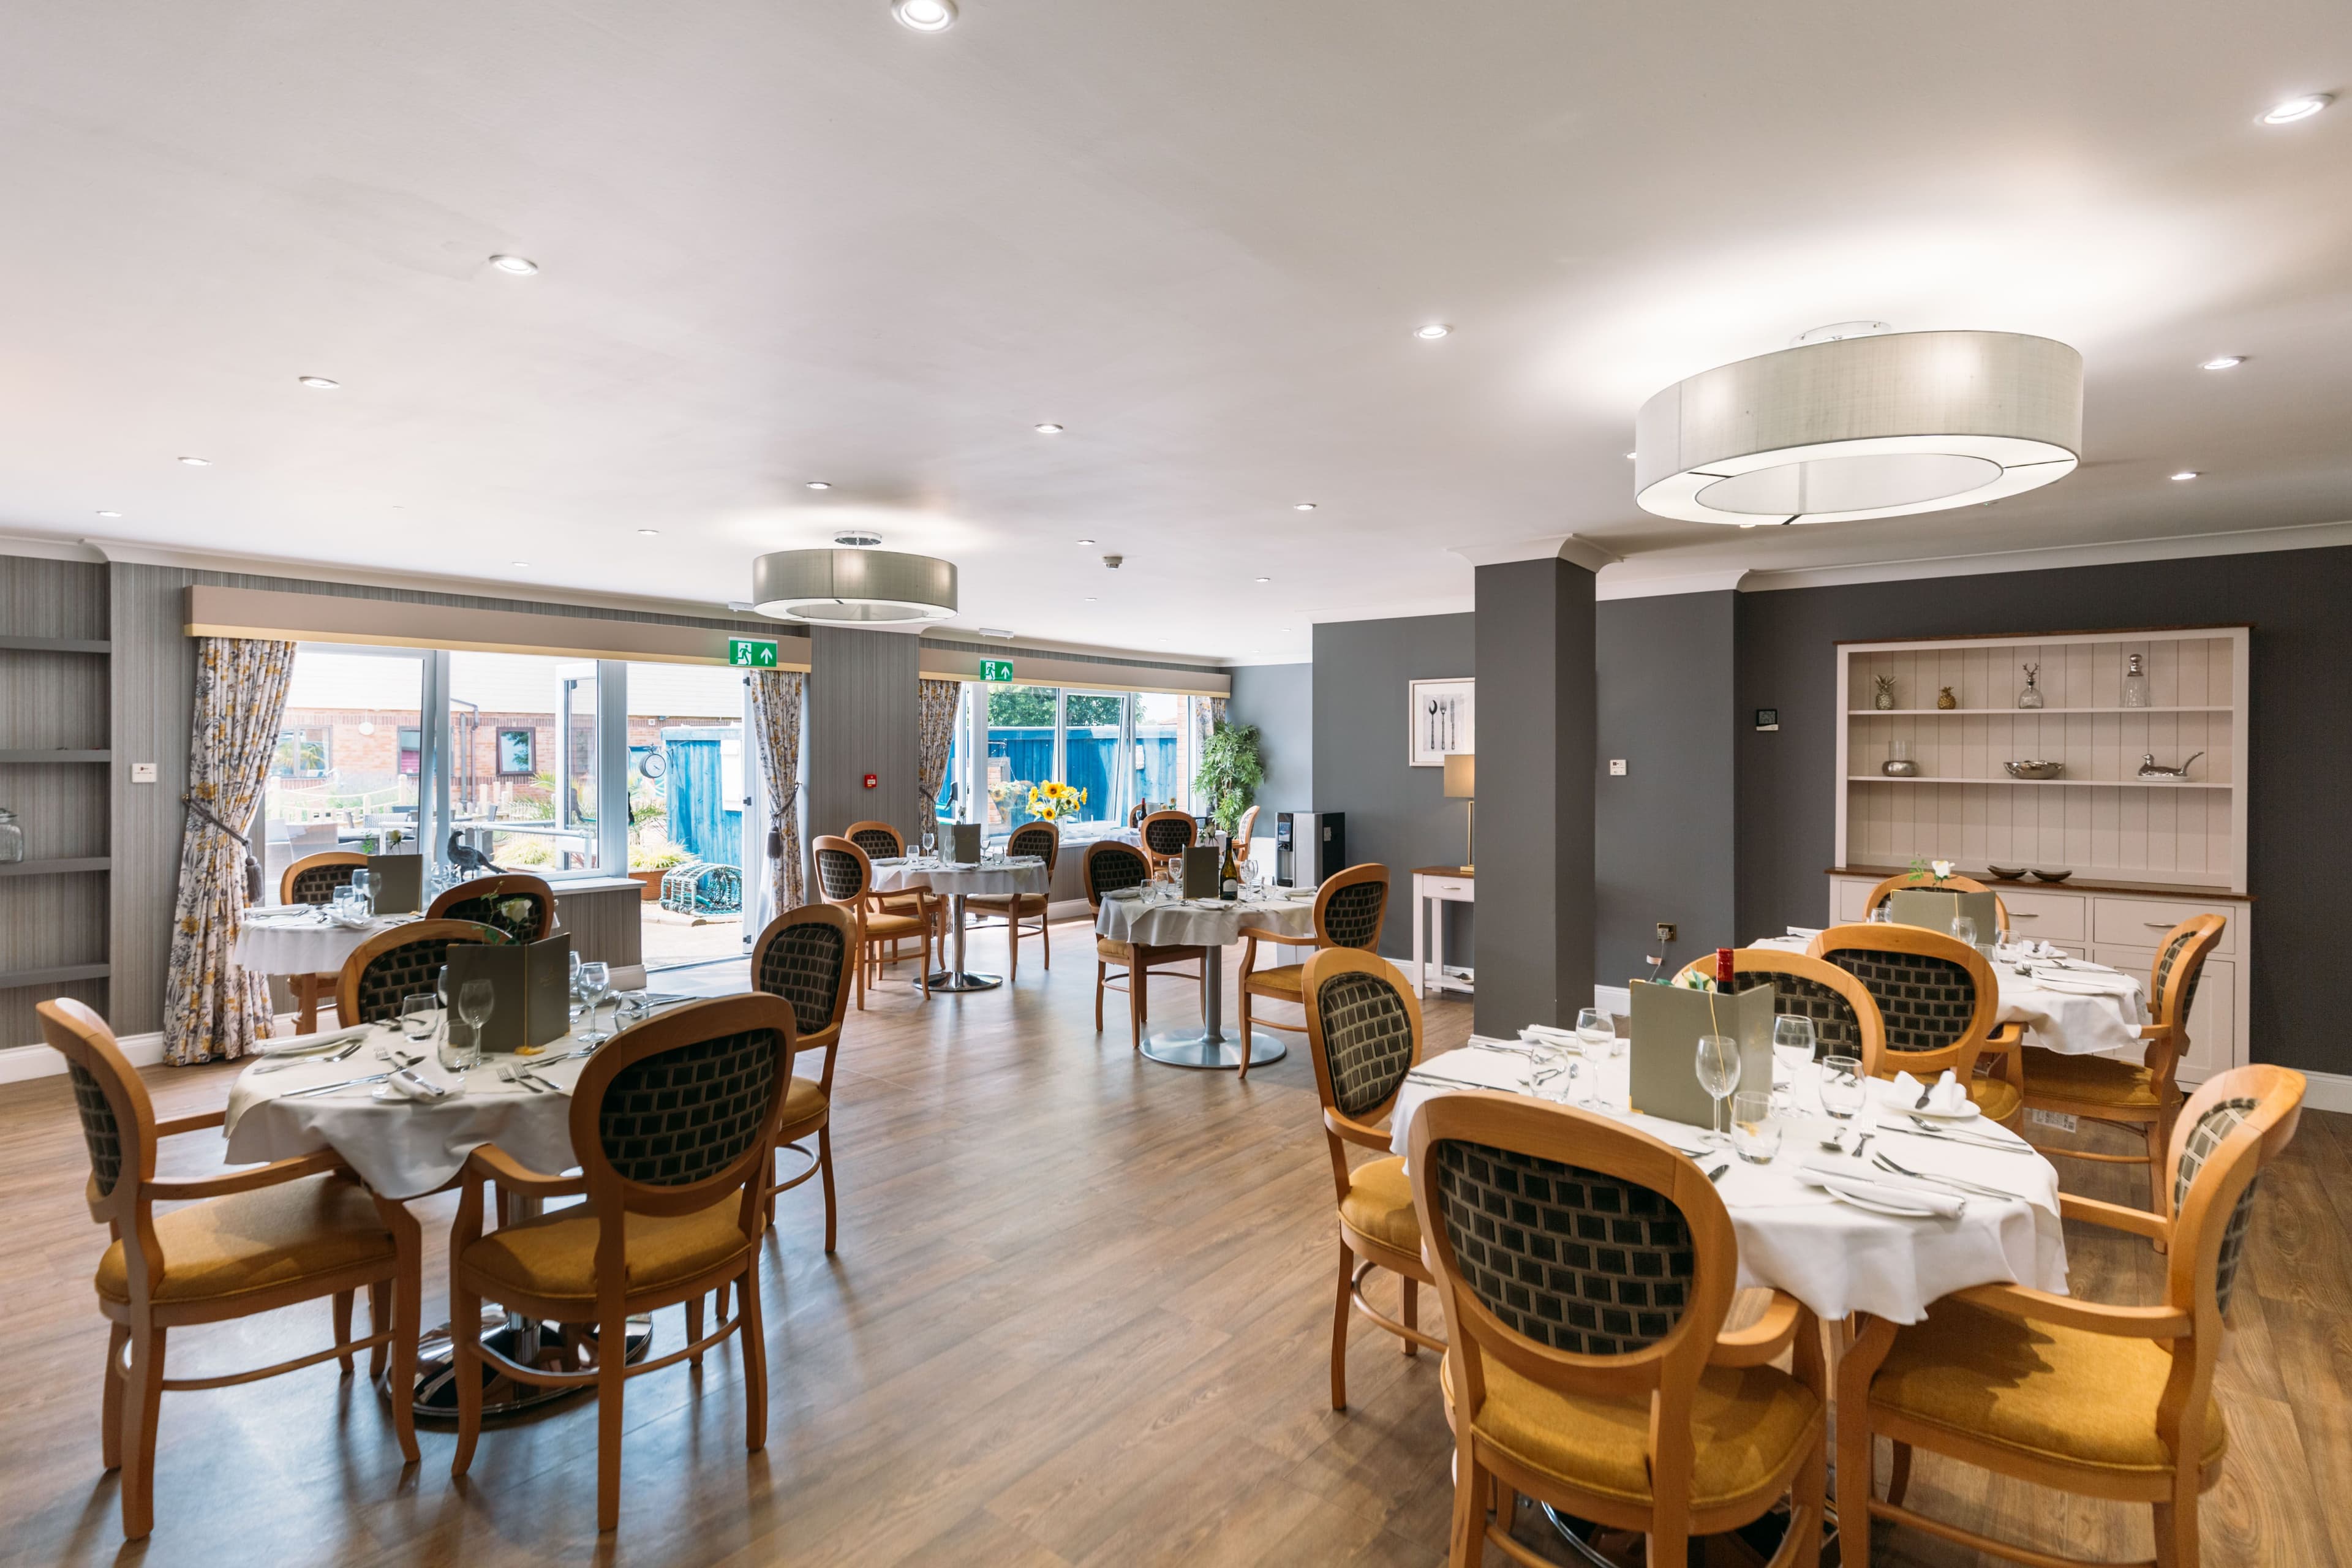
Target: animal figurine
2149,770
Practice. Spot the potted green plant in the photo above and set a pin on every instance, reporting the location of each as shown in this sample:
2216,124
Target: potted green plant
1230,770
647,869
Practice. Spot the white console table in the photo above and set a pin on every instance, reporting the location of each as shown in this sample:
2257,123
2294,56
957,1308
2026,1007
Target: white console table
1434,886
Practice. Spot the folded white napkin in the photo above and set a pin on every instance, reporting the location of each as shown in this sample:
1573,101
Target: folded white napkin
1805,934
1488,1070
1865,1182
296,1044
415,1086
1947,1098
627,976
2086,983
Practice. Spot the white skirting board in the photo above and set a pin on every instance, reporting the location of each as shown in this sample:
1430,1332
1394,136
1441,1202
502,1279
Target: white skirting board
18,1063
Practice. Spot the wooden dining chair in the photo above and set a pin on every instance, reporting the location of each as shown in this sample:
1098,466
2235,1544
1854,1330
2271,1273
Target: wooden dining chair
248,1242
883,842
674,1124
1244,831
1109,867
1042,839
2142,1097
1348,909
393,965
1363,1031
1845,1018
1585,1270
1167,834
1939,1003
845,876
803,957
517,903
2102,1401
314,880
1906,881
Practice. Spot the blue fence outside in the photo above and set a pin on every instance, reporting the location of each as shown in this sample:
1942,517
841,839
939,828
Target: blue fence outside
700,822
1093,752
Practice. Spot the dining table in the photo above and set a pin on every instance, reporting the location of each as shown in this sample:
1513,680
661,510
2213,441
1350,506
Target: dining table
302,942
1144,917
2067,1004
958,880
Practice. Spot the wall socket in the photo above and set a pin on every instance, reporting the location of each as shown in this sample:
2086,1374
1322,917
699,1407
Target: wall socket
142,772
1666,930
2062,1120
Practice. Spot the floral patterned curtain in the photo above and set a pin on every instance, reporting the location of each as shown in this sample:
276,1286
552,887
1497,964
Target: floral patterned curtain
776,696
936,703
211,1008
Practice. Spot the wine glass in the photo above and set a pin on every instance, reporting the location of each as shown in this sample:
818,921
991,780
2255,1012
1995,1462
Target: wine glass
1964,930
477,1000
930,841
595,985
362,893
419,1016
1718,1074
1841,1089
1793,1040
1880,913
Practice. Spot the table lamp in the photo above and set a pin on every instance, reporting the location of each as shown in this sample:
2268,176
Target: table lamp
1462,783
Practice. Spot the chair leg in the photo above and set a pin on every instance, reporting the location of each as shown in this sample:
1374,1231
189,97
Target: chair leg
1135,989
2159,1143
141,1405
694,1330
1339,1331
1898,1474
824,1175
1807,1497
378,1319
407,1320
611,1377
1855,1455
1411,1316
466,1368
1245,1000
1045,937
344,1328
1467,1543
1012,941
1102,974
2176,1530
110,1421
755,1360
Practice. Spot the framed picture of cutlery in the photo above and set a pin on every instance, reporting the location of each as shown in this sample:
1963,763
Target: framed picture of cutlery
1443,717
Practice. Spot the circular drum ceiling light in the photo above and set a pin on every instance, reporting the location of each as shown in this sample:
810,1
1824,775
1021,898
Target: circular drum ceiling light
854,587
1857,426
925,16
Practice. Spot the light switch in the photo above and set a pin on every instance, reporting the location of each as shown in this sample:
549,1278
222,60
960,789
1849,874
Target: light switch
1616,767
142,772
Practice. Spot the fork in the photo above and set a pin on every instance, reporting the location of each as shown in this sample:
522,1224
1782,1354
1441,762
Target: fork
1957,1183
1926,1129
334,1056
508,1075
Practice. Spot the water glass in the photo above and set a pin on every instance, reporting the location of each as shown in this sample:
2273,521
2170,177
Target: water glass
1964,930
419,1016
477,1000
364,892
595,985
1718,1074
1841,1086
1880,913
1754,1130
930,841
1554,1075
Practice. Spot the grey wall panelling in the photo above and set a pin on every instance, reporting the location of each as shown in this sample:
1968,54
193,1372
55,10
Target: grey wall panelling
1279,698
862,719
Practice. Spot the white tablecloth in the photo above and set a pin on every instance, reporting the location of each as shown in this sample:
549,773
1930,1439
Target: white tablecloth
1835,1259
1129,916
2070,1022
281,946
1025,875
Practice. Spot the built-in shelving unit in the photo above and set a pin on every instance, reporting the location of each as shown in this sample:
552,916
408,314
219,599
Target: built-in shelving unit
54,754
56,868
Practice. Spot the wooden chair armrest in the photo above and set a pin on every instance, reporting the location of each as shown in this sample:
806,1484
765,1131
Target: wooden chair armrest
316,1162
2090,1317
1255,934
179,1124
491,1163
1765,1338
1345,1126
2114,1216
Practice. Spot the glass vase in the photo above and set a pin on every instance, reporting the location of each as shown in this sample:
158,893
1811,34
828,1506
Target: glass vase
11,839
2135,684
2032,696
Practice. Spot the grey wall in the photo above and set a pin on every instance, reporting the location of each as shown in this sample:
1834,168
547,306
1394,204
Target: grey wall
1397,815
862,718
2300,604
1664,835
1279,698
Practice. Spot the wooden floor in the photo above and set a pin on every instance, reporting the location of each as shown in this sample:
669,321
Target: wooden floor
1078,1316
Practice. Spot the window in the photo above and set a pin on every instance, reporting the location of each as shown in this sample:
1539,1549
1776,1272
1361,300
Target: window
515,747
303,753
505,706
1091,722
1021,752
1161,776
346,772
687,782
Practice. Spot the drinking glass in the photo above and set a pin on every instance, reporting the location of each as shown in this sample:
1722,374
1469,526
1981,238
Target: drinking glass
451,1055
1964,929
930,841
476,1002
419,1016
1793,1046
1551,1062
1718,1074
1841,1086
1755,1131
1880,913
362,892
595,985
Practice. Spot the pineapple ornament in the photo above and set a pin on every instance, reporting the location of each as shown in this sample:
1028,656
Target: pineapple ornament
1944,699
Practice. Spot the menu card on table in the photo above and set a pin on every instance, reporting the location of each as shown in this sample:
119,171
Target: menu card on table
396,882
1663,1058
532,983
1200,864
964,842
1932,909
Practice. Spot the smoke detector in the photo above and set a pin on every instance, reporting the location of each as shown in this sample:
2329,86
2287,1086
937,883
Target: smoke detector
858,539
1112,561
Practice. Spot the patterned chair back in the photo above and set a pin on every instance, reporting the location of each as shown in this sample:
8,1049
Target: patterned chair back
313,879
2179,964
1845,1019
844,873
1244,831
1350,907
670,1115
1167,834
516,903
403,961
118,1117
2235,1124
1556,1235
1363,1030
1937,1000
803,957
1110,866
878,839
1042,839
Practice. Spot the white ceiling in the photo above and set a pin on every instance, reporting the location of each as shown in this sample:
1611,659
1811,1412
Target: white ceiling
792,240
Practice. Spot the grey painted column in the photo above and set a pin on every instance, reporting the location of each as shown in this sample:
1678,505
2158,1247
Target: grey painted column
862,718
1536,767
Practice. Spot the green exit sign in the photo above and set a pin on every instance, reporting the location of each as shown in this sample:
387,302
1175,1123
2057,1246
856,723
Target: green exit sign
751,653
996,669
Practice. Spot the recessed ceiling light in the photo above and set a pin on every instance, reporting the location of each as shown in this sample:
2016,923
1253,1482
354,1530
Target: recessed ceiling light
1630,456
197,462
819,485
2225,361
1432,331
318,383
925,16
2184,474
1085,542
518,563
649,533
1304,506
1266,579
1090,598
109,514
1049,429
521,266
2295,108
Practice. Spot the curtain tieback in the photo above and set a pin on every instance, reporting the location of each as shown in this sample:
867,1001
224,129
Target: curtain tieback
776,826
252,862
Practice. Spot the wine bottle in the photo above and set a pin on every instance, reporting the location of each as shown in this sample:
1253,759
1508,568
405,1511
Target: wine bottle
1229,875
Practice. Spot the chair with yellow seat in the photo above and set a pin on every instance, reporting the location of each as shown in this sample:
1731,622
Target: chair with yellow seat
1166,835
803,957
1042,839
883,842
673,1125
1110,867
249,1241
845,876
1244,831
1585,1270
393,965
1938,1003
315,879
1908,881
2105,1402
1844,1015
2142,1097
1363,1031
516,903
1348,909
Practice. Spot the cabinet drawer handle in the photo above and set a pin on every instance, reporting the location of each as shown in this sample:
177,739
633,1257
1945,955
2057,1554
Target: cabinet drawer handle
2023,915
2156,925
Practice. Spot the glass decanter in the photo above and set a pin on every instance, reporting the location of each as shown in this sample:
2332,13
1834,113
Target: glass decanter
11,839
2135,684
2032,696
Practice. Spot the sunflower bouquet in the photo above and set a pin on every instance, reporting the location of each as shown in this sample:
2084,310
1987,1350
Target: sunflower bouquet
1049,802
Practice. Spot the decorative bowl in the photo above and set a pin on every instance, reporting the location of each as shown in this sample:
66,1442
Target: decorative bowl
2051,876
2006,874
2034,768
1899,768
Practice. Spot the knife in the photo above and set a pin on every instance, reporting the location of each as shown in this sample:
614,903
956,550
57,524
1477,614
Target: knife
323,1088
